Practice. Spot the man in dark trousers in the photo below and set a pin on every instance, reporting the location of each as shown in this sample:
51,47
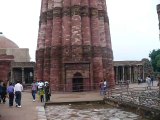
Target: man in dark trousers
10,91
152,79
4,93
18,93
47,92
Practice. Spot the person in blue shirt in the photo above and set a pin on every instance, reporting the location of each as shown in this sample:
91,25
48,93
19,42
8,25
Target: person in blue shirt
10,91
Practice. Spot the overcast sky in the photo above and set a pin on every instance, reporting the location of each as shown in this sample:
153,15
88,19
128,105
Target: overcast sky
133,26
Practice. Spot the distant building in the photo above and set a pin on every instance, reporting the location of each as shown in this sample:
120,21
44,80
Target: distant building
132,70
15,62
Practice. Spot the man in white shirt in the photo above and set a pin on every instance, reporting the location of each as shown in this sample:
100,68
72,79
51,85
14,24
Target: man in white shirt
40,85
105,87
148,81
18,88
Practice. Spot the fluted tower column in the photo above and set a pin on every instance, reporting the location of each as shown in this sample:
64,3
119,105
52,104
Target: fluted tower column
41,41
48,39
66,41
56,43
107,50
86,38
96,42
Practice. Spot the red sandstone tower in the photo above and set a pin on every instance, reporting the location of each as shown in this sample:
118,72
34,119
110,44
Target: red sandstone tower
74,51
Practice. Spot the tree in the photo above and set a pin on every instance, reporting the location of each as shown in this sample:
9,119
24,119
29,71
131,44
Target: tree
155,60
148,69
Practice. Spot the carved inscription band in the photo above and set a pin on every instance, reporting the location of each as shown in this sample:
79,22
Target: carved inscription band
83,11
88,51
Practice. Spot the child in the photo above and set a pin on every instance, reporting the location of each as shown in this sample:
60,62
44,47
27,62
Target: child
41,94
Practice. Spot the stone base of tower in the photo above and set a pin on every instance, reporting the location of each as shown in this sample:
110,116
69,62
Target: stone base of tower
78,77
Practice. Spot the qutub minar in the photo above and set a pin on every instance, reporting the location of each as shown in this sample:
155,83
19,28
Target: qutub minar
74,51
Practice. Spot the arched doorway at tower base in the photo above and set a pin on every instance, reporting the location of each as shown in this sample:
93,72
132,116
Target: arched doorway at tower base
77,83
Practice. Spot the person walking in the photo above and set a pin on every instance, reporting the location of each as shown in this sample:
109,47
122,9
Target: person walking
105,87
139,80
41,94
18,93
34,90
40,86
4,93
152,80
10,91
47,91
101,87
148,81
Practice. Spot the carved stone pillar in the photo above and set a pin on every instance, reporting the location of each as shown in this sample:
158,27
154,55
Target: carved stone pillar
123,73
143,73
23,80
11,79
130,73
116,74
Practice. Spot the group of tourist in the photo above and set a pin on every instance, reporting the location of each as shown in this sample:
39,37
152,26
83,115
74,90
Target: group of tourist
42,89
14,92
10,92
103,85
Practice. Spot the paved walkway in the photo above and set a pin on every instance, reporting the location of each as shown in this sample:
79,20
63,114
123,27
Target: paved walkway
28,111
35,111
